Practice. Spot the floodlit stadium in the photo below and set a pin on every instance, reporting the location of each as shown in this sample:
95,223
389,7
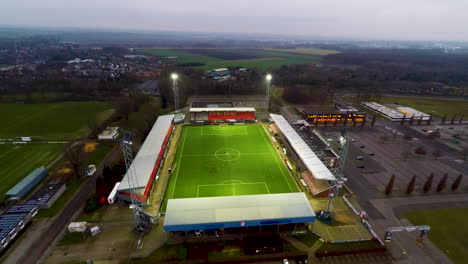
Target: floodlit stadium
227,161
234,174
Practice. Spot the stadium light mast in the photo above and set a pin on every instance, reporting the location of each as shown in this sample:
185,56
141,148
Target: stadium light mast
174,78
267,97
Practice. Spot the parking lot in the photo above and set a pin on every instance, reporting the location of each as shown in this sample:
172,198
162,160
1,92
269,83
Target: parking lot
385,154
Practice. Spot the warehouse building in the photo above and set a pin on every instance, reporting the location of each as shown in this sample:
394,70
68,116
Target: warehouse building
147,163
27,184
13,221
208,213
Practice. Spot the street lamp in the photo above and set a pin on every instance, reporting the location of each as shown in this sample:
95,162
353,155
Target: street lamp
267,98
174,78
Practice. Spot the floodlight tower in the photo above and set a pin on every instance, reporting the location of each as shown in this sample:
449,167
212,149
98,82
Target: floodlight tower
174,78
143,220
267,97
339,172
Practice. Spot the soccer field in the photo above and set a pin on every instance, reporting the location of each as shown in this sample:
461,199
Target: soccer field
17,161
226,161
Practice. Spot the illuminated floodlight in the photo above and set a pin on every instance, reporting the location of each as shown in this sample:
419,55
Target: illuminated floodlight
174,76
268,77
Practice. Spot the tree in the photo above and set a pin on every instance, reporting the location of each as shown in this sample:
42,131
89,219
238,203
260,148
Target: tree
411,184
402,122
389,188
452,121
373,120
429,120
442,183
457,182
74,155
428,184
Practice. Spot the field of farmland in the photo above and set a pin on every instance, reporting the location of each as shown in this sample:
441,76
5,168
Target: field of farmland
319,52
56,121
436,107
17,161
206,59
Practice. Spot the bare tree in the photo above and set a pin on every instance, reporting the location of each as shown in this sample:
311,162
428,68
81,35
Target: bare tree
373,120
74,156
411,184
457,182
442,183
389,188
428,184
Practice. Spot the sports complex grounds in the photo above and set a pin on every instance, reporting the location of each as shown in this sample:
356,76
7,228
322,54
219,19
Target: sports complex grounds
226,160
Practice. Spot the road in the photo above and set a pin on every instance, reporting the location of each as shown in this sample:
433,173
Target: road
35,252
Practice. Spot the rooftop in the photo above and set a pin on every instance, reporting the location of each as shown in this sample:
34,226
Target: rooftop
187,212
308,157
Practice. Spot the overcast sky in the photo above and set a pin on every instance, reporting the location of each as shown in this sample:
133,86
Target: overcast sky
362,19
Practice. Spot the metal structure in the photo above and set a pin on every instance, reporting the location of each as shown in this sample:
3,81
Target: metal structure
174,78
267,97
327,214
389,232
143,220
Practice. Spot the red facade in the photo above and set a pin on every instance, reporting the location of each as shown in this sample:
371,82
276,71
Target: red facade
225,115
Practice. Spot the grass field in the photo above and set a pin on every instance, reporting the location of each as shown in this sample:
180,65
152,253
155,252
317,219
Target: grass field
17,161
226,161
448,231
320,52
437,107
263,58
52,121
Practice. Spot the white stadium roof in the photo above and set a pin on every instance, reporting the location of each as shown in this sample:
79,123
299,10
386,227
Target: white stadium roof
145,160
383,110
222,109
191,213
308,157
413,112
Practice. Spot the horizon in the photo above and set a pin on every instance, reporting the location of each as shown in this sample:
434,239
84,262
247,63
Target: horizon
416,20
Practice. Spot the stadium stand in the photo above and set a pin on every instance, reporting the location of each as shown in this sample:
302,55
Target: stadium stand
147,162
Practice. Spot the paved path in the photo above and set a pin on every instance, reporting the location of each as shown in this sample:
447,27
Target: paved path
404,245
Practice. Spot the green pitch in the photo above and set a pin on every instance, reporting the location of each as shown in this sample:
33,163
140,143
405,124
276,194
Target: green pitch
226,161
58,121
17,161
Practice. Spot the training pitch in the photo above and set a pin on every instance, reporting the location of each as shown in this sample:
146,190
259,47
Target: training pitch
226,161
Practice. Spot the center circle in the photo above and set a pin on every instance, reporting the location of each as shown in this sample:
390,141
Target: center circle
227,154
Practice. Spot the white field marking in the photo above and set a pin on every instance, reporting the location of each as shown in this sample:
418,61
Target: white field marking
241,154
214,128
275,158
180,160
231,181
228,184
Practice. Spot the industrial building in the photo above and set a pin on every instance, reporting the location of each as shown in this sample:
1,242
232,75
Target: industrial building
14,220
27,184
190,214
145,168
332,115
219,74
397,114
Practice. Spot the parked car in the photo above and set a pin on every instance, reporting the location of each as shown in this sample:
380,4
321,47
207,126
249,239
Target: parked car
359,157
361,167
371,154
362,146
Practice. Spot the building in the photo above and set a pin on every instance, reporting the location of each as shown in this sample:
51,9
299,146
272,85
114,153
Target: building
13,220
147,162
396,114
46,196
315,174
332,115
110,133
208,213
219,115
219,74
27,184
